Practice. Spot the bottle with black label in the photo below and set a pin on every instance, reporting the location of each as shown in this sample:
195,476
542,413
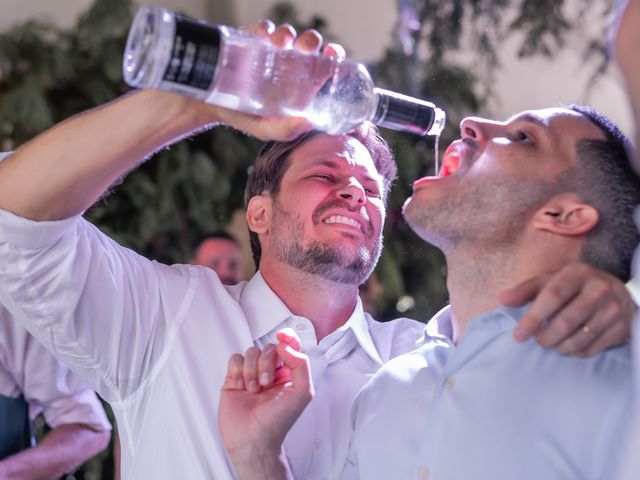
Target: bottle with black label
244,72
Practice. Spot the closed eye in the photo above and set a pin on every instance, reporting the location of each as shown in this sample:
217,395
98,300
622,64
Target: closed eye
523,137
372,192
326,178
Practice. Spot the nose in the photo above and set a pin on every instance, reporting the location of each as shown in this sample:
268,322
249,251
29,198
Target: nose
353,192
478,129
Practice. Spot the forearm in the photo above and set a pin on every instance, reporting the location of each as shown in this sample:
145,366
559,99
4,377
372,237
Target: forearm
251,463
63,171
61,451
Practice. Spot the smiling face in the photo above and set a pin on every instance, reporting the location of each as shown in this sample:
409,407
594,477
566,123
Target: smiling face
328,214
496,175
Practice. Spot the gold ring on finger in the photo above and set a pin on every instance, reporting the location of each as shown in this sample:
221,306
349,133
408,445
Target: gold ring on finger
587,330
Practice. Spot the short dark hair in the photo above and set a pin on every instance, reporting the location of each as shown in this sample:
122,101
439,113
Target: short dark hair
604,178
273,160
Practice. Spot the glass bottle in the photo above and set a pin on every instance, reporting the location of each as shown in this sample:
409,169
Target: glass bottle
244,72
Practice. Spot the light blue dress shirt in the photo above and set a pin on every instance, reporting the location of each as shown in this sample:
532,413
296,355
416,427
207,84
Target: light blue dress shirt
491,408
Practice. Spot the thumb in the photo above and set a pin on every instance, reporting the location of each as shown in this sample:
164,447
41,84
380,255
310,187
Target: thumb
523,292
295,361
289,337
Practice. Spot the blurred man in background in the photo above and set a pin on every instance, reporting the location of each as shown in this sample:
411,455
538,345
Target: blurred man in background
221,252
32,382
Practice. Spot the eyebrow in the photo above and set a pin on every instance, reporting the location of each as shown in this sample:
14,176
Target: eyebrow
538,122
530,118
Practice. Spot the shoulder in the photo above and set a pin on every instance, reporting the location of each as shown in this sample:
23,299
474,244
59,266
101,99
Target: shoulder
400,372
395,337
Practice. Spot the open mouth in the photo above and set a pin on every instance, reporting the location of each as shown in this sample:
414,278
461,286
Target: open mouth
450,161
450,165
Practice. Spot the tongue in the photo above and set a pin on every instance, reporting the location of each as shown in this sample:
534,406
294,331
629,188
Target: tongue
450,162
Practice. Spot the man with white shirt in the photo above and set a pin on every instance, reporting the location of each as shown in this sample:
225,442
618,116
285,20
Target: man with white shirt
32,382
153,339
534,193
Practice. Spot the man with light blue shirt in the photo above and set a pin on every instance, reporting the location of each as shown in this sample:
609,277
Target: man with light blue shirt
556,187
514,199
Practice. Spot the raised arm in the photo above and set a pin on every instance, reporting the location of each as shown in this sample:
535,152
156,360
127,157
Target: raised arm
64,170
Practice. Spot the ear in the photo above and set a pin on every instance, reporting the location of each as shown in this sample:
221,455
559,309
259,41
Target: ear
566,214
259,213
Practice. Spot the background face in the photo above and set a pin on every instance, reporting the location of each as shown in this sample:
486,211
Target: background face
224,257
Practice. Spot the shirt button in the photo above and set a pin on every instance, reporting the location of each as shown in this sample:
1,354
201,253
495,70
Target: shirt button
300,327
423,474
317,443
448,383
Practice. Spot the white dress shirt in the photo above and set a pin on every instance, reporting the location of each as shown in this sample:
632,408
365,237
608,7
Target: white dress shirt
27,369
154,340
491,408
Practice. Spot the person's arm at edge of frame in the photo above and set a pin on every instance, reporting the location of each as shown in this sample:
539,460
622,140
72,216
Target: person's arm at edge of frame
625,45
62,450
66,169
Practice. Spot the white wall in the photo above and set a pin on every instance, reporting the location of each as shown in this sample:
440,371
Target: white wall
65,12
365,26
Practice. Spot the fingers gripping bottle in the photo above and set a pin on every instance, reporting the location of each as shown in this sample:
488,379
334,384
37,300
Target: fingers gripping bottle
244,72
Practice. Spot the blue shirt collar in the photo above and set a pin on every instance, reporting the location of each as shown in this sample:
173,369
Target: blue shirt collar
441,325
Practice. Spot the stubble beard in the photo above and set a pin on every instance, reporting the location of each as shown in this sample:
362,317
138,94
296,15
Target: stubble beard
330,262
492,210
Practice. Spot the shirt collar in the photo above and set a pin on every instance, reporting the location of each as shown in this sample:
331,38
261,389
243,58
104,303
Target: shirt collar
263,308
265,311
441,325
359,325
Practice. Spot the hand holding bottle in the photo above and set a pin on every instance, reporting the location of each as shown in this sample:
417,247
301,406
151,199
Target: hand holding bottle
269,127
240,71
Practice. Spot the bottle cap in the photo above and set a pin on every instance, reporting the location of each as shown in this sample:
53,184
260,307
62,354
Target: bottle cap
408,114
170,48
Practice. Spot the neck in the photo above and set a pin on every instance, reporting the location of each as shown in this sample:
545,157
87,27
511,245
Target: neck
474,286
477,275
328,305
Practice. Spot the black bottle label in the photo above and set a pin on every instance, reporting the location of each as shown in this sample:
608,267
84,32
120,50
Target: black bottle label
194,55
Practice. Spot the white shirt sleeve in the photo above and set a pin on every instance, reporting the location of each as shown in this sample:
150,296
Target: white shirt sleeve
28,369
105,311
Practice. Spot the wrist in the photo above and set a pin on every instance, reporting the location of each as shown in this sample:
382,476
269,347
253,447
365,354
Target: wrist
268,462
187,114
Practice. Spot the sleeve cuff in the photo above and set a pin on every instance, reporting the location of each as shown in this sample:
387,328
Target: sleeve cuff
83,407
31,234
